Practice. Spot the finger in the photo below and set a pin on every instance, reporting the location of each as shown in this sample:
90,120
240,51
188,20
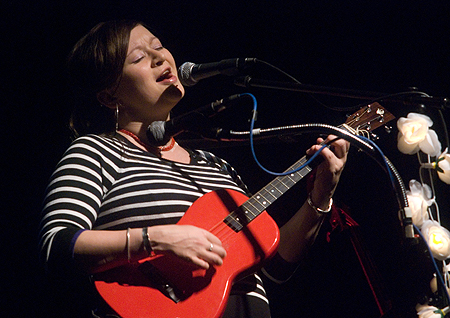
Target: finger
311,151
208,256
217,249
200,262
213,239
328,155
341,148
337,145
213,258
204,259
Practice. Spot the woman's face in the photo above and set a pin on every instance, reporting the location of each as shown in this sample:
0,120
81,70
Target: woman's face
149,87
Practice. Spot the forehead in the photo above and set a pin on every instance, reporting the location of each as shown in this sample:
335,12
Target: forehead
139,36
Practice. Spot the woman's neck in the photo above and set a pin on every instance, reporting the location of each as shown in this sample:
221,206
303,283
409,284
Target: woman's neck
171,151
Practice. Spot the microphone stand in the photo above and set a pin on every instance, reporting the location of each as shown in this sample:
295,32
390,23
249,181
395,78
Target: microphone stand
414,97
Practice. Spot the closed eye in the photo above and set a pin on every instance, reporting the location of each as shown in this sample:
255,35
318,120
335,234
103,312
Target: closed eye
159,47
138,59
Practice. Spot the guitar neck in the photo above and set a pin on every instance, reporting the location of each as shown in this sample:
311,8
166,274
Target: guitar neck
362,122
259,202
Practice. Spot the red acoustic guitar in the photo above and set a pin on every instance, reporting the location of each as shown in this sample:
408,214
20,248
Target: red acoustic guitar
165,286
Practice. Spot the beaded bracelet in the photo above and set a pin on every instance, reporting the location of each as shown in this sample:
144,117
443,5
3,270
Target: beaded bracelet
146,240
318,210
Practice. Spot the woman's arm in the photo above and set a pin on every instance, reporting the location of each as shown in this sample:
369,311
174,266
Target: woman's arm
71,207
299,233
98,251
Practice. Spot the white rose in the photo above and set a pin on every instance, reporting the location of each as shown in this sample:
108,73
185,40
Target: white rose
414,135
426,311
419,199
443,167
438,239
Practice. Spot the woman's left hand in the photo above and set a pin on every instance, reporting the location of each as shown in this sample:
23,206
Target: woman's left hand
329,171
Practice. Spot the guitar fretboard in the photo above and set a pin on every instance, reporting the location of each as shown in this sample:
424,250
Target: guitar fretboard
259,202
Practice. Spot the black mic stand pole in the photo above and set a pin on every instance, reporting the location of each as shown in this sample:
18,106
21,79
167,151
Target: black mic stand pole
415,97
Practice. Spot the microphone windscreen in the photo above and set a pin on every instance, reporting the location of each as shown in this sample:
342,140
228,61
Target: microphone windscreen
156,134
184,72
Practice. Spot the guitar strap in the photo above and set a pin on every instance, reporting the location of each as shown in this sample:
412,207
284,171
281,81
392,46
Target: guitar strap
341,222
222,165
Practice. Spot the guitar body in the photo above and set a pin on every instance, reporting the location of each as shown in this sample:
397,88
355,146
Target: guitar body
166,286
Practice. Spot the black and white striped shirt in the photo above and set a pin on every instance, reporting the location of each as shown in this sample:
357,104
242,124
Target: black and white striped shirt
107,183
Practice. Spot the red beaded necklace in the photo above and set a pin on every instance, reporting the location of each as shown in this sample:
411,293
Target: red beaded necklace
162,148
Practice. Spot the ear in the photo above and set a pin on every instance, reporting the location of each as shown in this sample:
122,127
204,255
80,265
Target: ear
106,99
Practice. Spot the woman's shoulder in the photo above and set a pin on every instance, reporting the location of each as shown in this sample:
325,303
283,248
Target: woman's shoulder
96,139
96,143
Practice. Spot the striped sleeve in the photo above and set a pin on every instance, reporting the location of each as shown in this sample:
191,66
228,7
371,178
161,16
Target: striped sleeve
72,201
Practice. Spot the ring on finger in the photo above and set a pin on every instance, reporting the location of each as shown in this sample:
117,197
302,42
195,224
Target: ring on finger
211,247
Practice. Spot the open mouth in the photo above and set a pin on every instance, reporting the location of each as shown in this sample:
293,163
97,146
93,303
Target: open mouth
165,75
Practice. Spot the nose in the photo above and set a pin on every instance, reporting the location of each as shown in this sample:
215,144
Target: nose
158,58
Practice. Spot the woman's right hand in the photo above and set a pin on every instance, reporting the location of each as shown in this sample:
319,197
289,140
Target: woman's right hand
190,243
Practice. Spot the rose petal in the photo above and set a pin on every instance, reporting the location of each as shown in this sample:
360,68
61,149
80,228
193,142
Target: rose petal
445,166
431,144
445,176
417,116
406,148
432,230
415,187
427,193
418,210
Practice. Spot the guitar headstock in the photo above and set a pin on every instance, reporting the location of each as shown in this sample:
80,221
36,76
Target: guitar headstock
368,119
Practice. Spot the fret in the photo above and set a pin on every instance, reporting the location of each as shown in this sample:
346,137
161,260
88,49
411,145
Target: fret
289,179
254,207
281,186
288,182
246,211
275,191
240,217
233,221
259,202
267,195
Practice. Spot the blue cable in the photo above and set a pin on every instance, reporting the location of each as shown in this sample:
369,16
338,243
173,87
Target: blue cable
388,169
252,125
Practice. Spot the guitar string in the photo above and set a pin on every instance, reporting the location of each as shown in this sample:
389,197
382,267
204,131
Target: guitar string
275,184
219,229
358,117
223,230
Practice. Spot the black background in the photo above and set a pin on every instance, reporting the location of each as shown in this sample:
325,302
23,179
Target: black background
380,46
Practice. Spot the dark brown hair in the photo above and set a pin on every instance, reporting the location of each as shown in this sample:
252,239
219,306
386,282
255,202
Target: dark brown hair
95,64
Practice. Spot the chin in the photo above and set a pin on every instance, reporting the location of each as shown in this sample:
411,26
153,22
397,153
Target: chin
173,94
175,90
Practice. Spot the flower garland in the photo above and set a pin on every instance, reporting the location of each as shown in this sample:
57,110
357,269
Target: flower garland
416,137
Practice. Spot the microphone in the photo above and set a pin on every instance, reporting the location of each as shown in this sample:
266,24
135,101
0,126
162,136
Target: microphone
160,132
191,73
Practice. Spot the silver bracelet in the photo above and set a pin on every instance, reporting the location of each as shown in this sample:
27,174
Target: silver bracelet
128,246
318,210
146,241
